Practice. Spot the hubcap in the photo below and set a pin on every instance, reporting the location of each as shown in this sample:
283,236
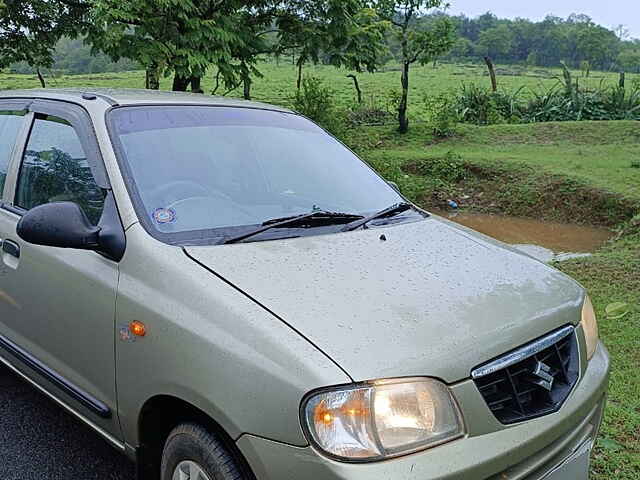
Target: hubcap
189,470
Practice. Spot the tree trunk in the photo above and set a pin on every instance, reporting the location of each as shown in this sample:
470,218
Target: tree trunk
357,85
492,74
217,86
247,87
621,83
152,79
300,63
196,84
180,83
404,99
41,78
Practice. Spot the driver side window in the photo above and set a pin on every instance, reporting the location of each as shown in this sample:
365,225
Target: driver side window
55,169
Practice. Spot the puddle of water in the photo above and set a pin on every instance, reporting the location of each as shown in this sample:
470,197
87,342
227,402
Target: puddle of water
547,241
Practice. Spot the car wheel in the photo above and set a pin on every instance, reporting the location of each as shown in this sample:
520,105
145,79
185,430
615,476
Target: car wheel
193,453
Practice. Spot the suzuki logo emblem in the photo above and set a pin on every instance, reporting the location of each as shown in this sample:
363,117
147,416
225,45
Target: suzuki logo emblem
544,378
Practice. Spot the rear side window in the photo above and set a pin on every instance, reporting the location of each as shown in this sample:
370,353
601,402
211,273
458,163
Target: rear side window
55,169
10,124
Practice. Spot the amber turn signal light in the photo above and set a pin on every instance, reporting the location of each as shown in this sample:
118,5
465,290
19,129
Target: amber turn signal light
138,329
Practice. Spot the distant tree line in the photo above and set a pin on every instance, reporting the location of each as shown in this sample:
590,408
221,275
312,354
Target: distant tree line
576,40
75,56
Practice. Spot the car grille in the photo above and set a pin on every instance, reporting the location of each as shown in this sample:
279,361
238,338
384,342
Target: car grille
531,381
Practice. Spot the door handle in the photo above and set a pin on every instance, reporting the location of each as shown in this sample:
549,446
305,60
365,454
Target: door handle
11,248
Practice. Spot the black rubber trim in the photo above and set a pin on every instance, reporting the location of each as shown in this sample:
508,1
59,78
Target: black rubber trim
36,365
81,122
15,210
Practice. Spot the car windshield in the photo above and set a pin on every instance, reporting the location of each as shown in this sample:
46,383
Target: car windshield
208,172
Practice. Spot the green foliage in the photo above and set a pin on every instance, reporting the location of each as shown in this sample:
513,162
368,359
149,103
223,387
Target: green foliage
576,39
629,59
421,43
186,38
335,32
183,37
604,103
316,101
496,42
449,168
442,114
565,101
74,56
479,106
30,29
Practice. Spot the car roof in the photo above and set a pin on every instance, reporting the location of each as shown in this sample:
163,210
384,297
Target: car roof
131,96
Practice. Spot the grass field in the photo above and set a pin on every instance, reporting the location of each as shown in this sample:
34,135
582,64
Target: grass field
278,84
582,172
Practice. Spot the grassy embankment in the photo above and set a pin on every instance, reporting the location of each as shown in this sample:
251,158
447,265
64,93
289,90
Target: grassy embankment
577,172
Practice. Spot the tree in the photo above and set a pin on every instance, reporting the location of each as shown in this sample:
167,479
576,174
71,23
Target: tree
342,33
496,42
546,43
595,44
421,44
179,37
30,30
462,48
629,60
186,37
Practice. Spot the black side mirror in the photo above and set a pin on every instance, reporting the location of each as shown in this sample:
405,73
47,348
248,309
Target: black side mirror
61,224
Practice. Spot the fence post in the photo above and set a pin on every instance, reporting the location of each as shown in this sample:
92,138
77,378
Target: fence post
357,85
492,74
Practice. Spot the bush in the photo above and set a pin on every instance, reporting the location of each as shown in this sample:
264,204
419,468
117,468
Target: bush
442,114
479,105
448,169
561,104
316,101
564,102
370,112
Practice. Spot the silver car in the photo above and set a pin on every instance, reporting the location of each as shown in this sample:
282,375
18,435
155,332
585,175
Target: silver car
223,291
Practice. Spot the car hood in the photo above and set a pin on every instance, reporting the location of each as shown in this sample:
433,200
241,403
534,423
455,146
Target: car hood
427,298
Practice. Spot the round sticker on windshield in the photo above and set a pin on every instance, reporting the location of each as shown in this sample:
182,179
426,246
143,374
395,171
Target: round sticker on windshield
164,215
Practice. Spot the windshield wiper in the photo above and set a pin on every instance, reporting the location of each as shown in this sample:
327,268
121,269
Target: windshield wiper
387,212
318,216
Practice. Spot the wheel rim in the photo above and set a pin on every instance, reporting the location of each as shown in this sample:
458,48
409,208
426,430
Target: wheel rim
189,470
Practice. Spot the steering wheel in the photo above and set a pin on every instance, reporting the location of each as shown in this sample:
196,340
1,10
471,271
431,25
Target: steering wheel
200,207
182,189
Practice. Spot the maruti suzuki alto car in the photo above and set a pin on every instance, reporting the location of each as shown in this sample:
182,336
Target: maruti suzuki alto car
223,291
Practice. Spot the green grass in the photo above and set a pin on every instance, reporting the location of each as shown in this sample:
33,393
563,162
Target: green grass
612,275
278,83
582,171
602,154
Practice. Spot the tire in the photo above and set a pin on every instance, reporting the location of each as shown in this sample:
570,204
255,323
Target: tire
190,442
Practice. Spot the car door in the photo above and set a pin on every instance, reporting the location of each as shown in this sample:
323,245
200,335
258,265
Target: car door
57,306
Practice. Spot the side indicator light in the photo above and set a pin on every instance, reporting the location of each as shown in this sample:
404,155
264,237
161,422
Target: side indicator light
138,329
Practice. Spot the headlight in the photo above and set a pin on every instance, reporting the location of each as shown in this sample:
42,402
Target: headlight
590,327
383,419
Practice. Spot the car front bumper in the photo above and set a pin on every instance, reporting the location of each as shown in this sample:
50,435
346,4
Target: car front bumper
550,448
